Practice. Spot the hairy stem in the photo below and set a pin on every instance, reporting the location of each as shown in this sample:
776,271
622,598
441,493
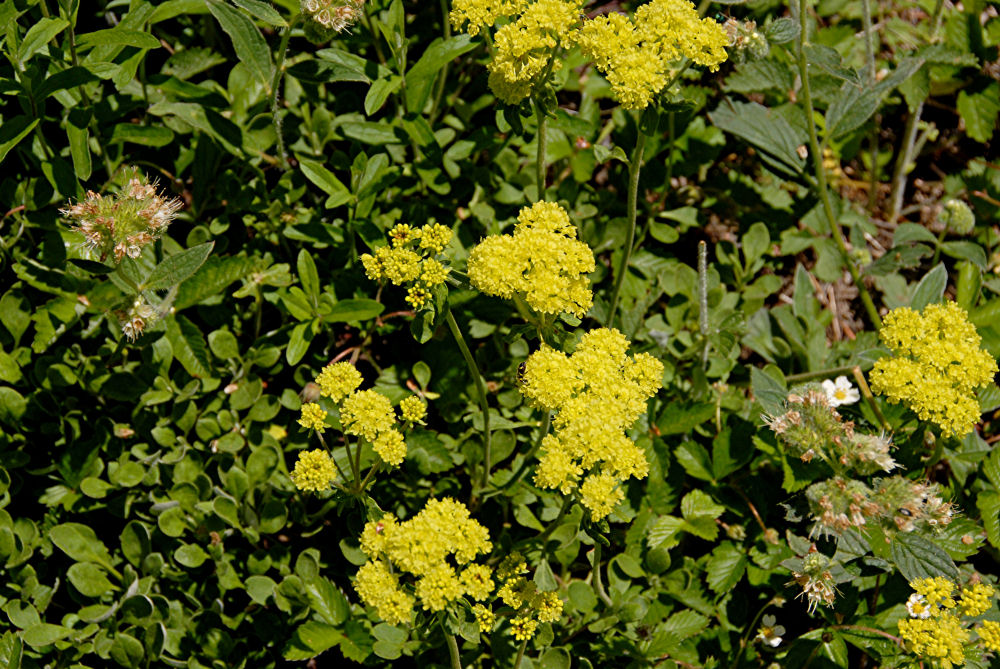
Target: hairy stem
520,654
456,659
866,392
703,301
598,582
484,406
821,185
903,164
540,155
279,66
633,194
819,373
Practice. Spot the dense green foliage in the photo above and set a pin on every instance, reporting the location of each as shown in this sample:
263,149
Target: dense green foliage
147,513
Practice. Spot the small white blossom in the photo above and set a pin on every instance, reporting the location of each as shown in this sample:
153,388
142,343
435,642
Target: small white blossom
840,392
917,606
768,633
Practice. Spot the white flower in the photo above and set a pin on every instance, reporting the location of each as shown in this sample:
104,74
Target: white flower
917,606
769,633
840,392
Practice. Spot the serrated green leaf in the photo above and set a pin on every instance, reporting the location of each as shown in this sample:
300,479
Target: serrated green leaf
263,11
118,37
917,557
189,346
979,111
725,567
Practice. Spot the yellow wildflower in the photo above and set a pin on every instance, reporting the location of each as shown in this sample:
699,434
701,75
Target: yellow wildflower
433,273
399,265
389,446
940,638
366,413
512,565
313,417
427,547
989,634
417,296
314,470
481,14
523,627
412,409
542,261
484,618
434,237
549,607
937,591
976,599
402,234
937,364
596,393
379,587
338,380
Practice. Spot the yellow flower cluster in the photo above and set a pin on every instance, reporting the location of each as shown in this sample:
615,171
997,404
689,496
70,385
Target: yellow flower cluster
941,638
410,260
937,364
425,547
597,393
364,413
635,55
542,262
314,471
976,599
525,47
412,409
531,605
313,417
989,634
485,618
481,14
935,631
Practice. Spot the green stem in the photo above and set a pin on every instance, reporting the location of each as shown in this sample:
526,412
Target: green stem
937,248
703,301
456,659
817,158
818,374
540,155
484,406
870,398
520,654
598,582
335,463
903,164
368,478
275,84
633,194
531,454
866,16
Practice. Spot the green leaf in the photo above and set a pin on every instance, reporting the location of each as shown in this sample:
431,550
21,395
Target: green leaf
80,542
698,504
135,541
40,635
79,150
190,555
13,131
931,288
756,242
962,250
249,44
327,601
916,558
782,31
174,269
212,279
89,579
988,504
694,459
144,135
764,129
380,90
326,181
767,391
664,532
40,34
298,342
912,232
725,567
118,37
189,346
979,111
347,311
310,639
263,11
420,77
308,275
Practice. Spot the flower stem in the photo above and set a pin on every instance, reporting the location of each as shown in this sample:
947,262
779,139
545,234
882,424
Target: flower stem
275,84
456,659
480,389
540,138
633,194
520,654
598,583
869,397
820,373
821,185
703,301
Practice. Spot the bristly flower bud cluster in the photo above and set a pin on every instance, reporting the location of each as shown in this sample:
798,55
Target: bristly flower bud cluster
122,224
139,316
814,574
811,428
896,502
745,41
325,18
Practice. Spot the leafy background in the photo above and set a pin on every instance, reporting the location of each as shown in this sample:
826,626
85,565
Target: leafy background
147,517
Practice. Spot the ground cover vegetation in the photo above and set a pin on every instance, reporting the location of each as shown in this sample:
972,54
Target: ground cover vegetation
499,333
